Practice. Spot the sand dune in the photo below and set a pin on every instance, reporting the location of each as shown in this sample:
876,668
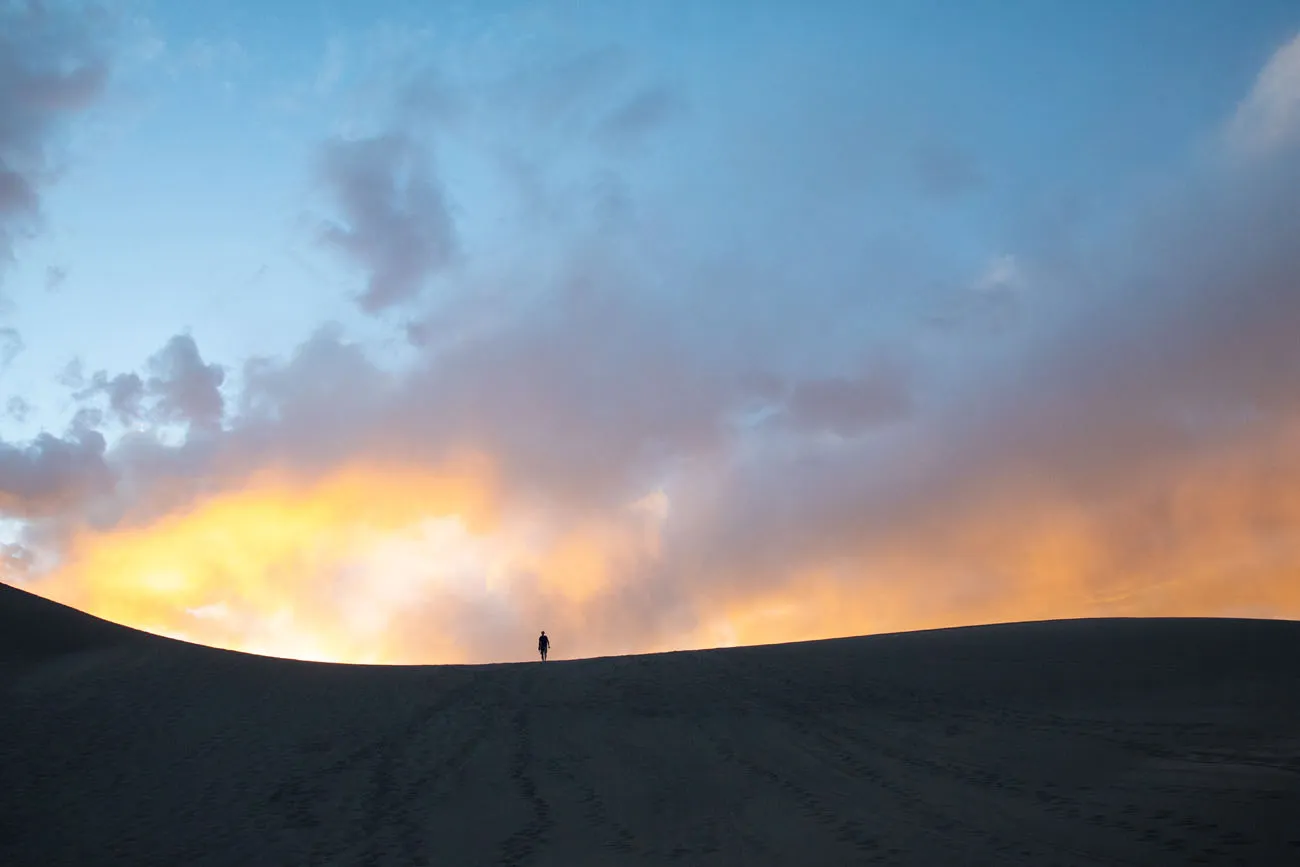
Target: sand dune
1075,742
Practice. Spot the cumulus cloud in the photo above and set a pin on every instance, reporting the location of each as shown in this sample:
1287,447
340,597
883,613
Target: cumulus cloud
394,221
51,474
52,65
187,390
124,392
178,388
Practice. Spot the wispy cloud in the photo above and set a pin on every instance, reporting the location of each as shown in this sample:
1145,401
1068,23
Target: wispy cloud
55,277
11,344
17,408
1268,119
394,221
53,64
640,115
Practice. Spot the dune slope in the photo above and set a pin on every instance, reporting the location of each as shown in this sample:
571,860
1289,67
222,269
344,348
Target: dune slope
1072,742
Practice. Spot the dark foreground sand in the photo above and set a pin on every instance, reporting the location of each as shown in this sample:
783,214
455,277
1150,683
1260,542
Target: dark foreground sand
1081,742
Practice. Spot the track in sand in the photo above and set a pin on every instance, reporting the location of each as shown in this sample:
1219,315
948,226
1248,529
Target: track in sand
1139,742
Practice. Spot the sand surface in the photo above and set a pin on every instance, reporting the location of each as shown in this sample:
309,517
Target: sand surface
1081,742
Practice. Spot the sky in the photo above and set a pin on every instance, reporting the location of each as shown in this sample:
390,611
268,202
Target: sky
398,332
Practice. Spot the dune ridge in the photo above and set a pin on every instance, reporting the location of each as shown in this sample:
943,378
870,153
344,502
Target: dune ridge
1066,742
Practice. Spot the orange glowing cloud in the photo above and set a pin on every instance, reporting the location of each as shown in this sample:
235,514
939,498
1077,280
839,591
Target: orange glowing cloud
267,567
385,563
373,563
1210,535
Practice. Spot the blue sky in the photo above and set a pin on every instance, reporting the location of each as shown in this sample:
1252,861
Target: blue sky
934,204
189,191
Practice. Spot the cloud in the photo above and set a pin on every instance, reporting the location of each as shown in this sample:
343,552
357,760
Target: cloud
11,344
332,67
1002,274
125,393
55,277
53,64
1140,461
187,390
1268,119
848,406
15,560
645,447
1142,450
632,121
17,408
544,395
208,54
395,224
558,93
51,474
944,171
993,299
180,388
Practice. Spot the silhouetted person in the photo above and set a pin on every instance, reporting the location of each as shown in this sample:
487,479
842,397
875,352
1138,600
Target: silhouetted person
543,644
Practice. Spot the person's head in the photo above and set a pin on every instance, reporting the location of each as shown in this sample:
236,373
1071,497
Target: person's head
543,632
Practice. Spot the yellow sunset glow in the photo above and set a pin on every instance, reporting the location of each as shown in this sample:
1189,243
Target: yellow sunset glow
327,569
389,563
269,568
